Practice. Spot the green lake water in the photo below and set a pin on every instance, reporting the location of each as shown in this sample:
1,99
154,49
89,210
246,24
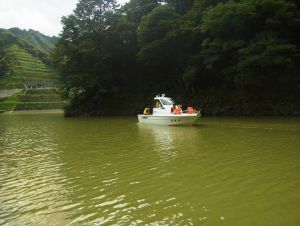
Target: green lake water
113,171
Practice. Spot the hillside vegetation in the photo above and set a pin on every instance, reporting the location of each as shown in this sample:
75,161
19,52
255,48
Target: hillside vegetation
34,99
25,68
25,64
229,57
20,61
34,38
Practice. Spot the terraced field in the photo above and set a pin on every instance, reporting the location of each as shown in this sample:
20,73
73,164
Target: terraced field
33,99
26,68
10,103
26,80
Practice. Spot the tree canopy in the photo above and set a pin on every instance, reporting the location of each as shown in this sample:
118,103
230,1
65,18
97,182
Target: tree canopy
228,57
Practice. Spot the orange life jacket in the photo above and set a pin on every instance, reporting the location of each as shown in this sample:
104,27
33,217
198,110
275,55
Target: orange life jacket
177,110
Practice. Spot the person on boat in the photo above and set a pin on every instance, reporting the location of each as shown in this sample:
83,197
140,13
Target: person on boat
157,104
190,110
147,111
173,108
178,110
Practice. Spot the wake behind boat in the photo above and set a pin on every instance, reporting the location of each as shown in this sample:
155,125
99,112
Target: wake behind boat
166,112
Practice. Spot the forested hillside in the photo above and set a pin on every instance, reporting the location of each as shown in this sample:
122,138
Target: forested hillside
35,38
228,57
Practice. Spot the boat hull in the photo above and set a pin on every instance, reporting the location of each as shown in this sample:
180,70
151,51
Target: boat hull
169,120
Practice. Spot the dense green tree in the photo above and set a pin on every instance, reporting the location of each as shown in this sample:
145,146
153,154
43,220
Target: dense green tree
230,57
136,9
81,53
156,38
181,6
252,47
156,25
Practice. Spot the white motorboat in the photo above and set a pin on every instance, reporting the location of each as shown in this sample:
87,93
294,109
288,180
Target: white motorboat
166,112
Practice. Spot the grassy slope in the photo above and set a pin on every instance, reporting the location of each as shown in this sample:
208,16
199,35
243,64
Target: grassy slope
9,103
26,67
40,99
35,99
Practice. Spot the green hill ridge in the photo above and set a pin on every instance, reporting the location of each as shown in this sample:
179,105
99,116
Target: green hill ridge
35,38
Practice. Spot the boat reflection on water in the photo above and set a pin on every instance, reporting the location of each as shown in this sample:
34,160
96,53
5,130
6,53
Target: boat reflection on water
169,141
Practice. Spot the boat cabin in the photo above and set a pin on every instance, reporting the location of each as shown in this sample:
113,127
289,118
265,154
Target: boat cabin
162,105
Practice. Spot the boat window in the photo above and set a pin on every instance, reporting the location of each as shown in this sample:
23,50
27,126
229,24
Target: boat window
167,101
157,104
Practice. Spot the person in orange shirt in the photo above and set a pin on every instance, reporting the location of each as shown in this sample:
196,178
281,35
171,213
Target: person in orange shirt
177,110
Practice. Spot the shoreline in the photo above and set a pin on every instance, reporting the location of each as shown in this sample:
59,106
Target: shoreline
50,111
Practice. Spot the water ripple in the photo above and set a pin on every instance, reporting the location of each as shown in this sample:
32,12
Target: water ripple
57,171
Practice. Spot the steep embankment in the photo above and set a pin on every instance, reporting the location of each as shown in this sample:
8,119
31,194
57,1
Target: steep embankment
24,67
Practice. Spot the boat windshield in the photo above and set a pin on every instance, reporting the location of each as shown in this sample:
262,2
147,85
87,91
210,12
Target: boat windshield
167,101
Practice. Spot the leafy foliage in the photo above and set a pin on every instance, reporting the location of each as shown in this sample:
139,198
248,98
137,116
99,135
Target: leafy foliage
230,57
136,9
